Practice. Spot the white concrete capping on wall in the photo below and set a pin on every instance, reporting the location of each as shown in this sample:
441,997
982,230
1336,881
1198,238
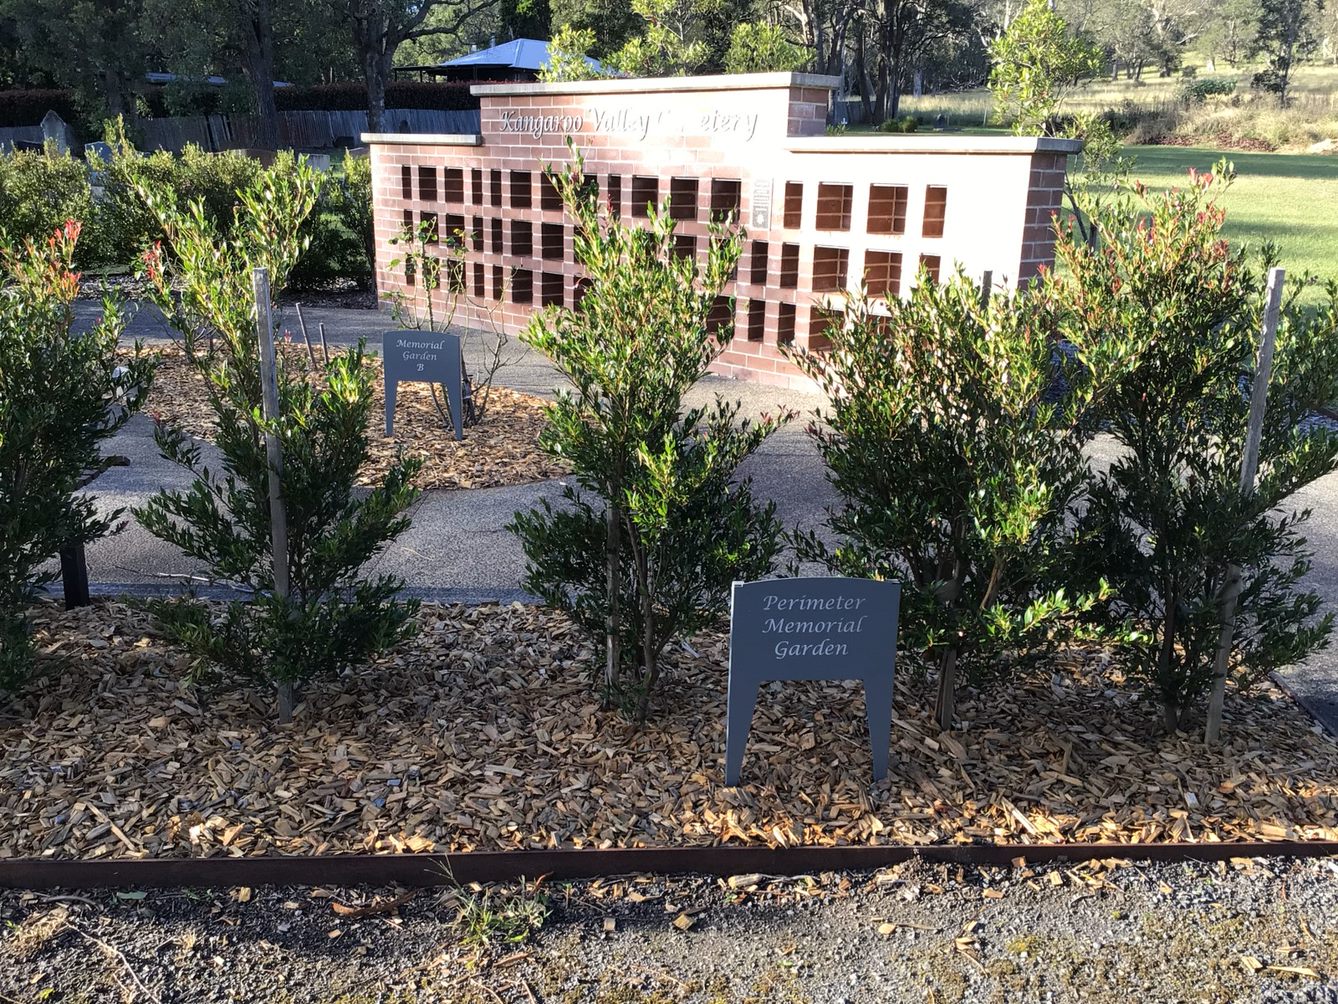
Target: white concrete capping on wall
936,143
655,85
422,139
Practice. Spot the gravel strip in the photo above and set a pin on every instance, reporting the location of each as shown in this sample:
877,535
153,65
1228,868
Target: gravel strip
1248,930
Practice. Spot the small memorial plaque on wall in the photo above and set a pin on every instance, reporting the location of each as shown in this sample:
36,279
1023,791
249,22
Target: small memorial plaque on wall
427,356
761,206
816,628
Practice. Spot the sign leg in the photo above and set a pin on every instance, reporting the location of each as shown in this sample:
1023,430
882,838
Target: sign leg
878,709
391,386
742,699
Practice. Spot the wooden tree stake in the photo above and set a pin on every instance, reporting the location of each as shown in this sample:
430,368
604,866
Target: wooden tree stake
311,353
269,383
1249,467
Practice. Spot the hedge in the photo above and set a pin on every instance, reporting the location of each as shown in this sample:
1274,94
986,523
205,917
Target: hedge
352,97
29,107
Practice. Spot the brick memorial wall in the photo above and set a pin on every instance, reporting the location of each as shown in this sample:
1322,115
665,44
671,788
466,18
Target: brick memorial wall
822,213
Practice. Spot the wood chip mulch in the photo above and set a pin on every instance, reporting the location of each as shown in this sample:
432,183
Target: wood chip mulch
501,450
483,733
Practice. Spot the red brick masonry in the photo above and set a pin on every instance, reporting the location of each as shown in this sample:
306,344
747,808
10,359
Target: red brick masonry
822,212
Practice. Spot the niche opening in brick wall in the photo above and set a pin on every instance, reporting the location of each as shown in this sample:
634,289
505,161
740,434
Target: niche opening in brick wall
613,191
478,279
578,290
549,197
887,209
757,263
453,230
936,211
720,319
498,283
495,236
406,181
725,197
685,246
428,227
455,275
645,193
427,183
834,202
829,269
522,286
931,264
820,321
785,324
476,187
476,233
522,239
454,185
495,187
794,205
550,241
789,271
550,289
522,191
683,198
882,273
757,320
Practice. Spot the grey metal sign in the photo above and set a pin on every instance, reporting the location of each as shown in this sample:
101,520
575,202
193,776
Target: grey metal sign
427,356
815,628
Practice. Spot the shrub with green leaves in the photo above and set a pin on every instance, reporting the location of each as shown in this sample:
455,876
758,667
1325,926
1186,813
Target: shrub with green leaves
657,524
1165,317
335,615
39,192
61,396
340,227
955,471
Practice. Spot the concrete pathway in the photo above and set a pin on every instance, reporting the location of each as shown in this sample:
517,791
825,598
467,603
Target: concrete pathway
457,548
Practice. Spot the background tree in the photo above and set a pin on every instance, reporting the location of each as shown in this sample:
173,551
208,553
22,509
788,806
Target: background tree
567,53
98,49
1229,28
892,35
1036,61
1285,36
380,27
658,522
759,46
61,396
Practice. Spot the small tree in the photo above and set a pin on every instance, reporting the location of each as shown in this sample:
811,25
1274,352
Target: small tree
1035,62
333,616
658,524
955,470
426,256
61,395
1165,315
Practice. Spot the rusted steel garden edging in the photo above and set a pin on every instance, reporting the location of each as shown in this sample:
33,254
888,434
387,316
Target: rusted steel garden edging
500,866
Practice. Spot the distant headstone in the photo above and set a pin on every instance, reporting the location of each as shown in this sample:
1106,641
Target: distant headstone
427,356
98,151
319,161
814,628
54,130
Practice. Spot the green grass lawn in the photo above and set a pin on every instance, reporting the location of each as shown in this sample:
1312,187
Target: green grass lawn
1290,199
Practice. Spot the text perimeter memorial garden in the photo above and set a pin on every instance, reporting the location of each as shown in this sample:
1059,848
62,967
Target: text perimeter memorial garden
1083,479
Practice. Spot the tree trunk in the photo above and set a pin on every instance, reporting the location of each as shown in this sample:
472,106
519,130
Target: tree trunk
259,31
865,85
377,69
